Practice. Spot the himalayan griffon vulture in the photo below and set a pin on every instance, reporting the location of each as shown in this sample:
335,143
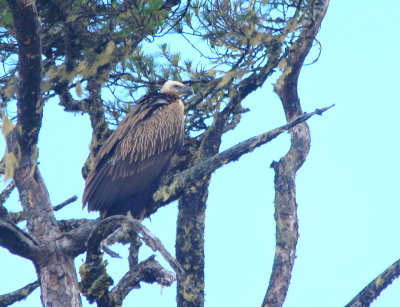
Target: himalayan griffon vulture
129,165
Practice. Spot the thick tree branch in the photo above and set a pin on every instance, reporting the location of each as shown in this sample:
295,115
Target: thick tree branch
29,104
18,295
78,232
94,107
375,287
17,241
287,167
172,187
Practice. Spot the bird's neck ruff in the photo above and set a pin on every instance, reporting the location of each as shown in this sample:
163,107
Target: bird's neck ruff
170,96
155,96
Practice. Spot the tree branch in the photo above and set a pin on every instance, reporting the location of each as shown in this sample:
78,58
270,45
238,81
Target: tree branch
17,217
172,187
100,133
18,295
17,241
375,287
6,192
287,167
3,197
95,280
149,271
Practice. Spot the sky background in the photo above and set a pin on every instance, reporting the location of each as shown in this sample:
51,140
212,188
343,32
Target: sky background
347,191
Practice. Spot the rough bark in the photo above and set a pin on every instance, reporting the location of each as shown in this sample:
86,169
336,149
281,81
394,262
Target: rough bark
55,267
190,245
287,167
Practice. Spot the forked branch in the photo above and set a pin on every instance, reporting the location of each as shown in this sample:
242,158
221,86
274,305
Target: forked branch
149,271
96,281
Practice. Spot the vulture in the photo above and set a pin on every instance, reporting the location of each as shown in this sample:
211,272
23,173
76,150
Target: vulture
129,166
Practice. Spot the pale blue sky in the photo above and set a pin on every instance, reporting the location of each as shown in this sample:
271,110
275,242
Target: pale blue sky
347,189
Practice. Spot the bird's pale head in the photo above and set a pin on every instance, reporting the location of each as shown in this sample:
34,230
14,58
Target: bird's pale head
177,88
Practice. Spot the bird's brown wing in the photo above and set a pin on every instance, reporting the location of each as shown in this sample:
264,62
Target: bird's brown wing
135,156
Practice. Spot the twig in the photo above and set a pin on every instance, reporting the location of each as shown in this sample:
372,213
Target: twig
17,217
375,287
65,203
18,295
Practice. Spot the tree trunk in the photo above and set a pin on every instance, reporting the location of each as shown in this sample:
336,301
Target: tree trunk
55,268
190,245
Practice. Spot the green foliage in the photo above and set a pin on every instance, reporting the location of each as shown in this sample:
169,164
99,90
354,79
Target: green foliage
129,48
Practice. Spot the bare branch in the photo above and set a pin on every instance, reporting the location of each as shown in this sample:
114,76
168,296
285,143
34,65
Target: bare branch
287,167
375,287
18,295
95,280
107,226
149,271
156,245
65,203
172,187
17,241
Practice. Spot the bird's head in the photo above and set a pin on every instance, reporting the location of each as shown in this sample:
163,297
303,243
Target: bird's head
177,88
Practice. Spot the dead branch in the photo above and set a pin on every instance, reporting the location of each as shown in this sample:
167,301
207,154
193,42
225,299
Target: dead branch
18,295
287,167
375,287
17,241
149,271
65,203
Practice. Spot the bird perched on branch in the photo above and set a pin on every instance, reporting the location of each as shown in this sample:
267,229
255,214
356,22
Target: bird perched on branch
131,162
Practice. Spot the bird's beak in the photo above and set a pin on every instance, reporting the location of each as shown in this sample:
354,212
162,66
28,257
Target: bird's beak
187,91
